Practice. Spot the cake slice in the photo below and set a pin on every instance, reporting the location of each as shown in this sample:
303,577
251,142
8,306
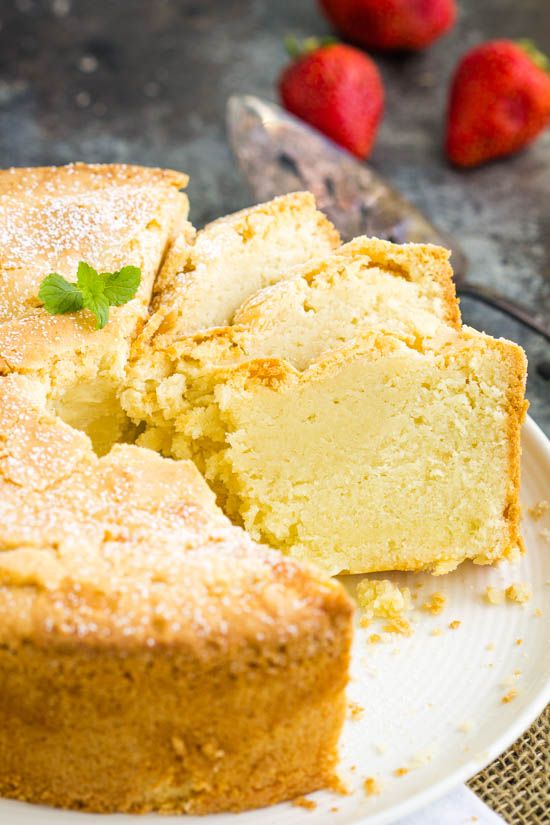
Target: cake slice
380,455
152,656
368,283
51,218
234,257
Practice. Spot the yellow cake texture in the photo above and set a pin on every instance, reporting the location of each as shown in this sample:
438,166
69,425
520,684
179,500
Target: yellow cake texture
346,417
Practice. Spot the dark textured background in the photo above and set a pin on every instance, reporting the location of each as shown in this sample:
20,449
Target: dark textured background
146,82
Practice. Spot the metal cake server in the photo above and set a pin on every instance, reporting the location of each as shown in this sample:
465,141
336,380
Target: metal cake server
277,153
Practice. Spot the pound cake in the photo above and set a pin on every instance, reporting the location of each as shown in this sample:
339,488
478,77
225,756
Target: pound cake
155,655
51,218
345,416
152,656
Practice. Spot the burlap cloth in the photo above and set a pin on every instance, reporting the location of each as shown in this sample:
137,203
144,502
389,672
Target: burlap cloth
517,784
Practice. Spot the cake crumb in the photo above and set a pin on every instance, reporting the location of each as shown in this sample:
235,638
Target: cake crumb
519,642
518,592
538,613
363,621
371,786
508,697
434,604
436,632
401,772
399,625
374,639
454,625
381,599
493,595
334,810
539,509
304,802
336,785
356,711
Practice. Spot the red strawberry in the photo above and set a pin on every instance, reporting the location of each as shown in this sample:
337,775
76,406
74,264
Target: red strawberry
499,102
338,90
391,24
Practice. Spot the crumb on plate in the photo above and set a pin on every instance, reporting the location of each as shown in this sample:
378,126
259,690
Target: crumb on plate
399,625
539,509
508,697
435,603
401,772
454,625
518,592
371,786
356,711
493,595
374,639
381,599
304,802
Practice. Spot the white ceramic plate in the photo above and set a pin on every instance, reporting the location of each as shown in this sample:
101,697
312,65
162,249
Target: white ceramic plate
433,703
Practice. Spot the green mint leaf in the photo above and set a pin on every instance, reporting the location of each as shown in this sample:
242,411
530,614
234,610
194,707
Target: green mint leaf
91,285
120,287
87,277
92,290
96,302
59,295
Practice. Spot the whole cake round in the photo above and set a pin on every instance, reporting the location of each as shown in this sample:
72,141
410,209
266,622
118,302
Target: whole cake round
258,383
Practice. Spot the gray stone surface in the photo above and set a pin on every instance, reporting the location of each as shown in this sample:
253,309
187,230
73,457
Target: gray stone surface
146,82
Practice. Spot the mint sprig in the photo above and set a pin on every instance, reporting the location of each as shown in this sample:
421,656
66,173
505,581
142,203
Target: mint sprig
93,290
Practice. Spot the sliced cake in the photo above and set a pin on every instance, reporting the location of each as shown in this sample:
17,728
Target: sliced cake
234,257
368,283
346,418
380,455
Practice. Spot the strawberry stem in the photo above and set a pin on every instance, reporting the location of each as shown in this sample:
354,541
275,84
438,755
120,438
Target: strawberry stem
298,48
538,58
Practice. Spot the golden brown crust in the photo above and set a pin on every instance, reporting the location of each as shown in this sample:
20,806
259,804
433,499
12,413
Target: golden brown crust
153,657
